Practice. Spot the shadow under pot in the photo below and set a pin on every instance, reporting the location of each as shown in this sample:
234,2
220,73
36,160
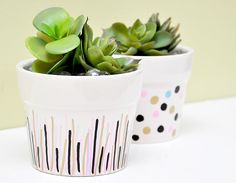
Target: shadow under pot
79,125
161,102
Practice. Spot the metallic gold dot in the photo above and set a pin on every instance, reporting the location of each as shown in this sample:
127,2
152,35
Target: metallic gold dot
146,130
172,109
173,133
154,100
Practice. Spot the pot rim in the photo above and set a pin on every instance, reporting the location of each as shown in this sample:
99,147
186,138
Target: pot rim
187,51
20,67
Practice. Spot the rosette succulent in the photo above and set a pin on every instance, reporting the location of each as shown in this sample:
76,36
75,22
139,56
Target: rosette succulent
64,45
152,38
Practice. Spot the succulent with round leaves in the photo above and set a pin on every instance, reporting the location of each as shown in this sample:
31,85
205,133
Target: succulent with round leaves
152,38
65,46
58,36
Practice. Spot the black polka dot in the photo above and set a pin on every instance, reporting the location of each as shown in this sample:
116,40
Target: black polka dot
163,106
160,129
135,137
176,116
139,118
177,88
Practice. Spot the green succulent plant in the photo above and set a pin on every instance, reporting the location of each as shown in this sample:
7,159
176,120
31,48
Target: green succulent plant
97,55
65,45
152,38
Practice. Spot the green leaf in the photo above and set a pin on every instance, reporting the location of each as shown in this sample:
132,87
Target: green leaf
121,34
138,29
47,20
63,29
84,64
64,61
87,39
41,67
162,39
130,51
78,25
108,67
150,32
109,47
147,46
44,37
111,60
155,19
63,45
37,47
166,24
153,52
95,55
174,44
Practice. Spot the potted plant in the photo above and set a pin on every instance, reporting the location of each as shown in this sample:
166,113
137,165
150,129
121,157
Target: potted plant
166,68
80,102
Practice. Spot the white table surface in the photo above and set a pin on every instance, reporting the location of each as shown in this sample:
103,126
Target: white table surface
205,152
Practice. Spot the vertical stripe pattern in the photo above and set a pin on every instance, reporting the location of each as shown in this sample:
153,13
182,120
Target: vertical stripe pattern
101,150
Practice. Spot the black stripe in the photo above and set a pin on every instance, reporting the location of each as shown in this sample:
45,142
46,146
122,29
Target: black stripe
69,151
57,159
100,161
114,158
38,156
126,133
78,156
118,166
108,155
94,145
46,145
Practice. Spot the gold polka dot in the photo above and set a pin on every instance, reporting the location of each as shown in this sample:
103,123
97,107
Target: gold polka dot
146,130
172,109
173,133
154,100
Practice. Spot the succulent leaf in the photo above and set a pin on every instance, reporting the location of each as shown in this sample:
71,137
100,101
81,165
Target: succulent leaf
95,55
130,51
50,18
138,29
121,33
162,39
150,32
37,47
63,45
41,67
153,52
63,62
78,25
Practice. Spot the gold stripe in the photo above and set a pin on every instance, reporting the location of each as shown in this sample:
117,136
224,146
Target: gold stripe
73,147
100,144
41,144
35,141
52,158
111,158
63,157
85,150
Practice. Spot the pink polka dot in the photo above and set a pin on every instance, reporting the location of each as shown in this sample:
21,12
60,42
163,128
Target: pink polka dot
155,114
144,93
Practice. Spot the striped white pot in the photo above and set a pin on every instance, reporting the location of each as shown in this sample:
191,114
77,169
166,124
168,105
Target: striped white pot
160,105
79,125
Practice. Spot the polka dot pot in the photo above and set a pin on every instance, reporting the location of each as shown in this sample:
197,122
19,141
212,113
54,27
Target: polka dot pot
160,106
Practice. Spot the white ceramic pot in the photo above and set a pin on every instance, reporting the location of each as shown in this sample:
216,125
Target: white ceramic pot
160,106
79,125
